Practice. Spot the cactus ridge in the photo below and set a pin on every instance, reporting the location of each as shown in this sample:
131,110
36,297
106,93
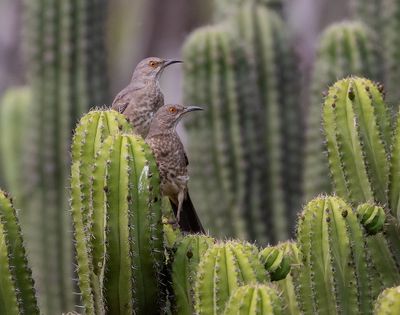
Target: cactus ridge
189,252
255,299
17,294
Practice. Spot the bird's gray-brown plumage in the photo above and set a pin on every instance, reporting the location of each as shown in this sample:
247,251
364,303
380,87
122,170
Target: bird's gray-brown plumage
142,97
172,164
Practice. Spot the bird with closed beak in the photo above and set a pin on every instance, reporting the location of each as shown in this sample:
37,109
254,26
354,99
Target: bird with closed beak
143,97
172,164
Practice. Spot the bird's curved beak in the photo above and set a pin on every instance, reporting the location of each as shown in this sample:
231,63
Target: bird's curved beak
192,108
169,62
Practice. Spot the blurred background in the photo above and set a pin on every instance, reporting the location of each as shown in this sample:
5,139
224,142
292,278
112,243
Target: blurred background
256,154
136,29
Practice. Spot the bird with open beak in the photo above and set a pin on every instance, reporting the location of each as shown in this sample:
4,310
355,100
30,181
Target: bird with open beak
143,97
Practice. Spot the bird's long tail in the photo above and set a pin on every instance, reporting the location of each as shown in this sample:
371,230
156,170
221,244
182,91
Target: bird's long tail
189,221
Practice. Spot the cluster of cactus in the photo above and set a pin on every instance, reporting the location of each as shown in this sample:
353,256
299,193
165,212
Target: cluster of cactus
344,48
242,71
66,65
17,293
116,210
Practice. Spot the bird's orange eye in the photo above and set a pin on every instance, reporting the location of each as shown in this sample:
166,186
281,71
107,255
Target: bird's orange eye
153,63
172,110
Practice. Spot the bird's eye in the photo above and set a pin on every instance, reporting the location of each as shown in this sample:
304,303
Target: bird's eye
153,63
172,110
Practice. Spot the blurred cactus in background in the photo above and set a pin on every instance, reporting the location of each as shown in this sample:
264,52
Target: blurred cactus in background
67,74
383,16
344,48
243,72
15,108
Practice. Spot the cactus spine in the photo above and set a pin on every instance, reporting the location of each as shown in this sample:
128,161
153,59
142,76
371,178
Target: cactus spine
223,268
337,274
119,241
254,300
17,293
388,302
14,109
344,48
250,116
184,267
66,72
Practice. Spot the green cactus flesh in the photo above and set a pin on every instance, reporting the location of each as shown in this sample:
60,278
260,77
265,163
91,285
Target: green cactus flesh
388,302
17,293
184,267
275,262
222,269
254,300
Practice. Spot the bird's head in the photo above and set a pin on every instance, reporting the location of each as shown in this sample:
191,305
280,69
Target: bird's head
168,116
152,67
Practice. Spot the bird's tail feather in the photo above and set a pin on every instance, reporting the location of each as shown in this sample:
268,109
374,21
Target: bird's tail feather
189,221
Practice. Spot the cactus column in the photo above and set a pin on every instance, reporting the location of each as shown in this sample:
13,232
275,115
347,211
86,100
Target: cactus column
344,48
17,294
242,71
118,233
67,75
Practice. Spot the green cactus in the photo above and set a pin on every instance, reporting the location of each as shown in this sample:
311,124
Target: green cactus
287,286
223,268
67,74
241,71
215,65
254,299
383,16
357,127
344,48
17,293
227,8
14,110
184,267
120,244
388,302
371,217
394,177
342,270
275,262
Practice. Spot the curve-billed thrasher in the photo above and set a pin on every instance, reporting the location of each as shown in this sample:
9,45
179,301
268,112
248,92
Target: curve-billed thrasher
172,164
142,97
